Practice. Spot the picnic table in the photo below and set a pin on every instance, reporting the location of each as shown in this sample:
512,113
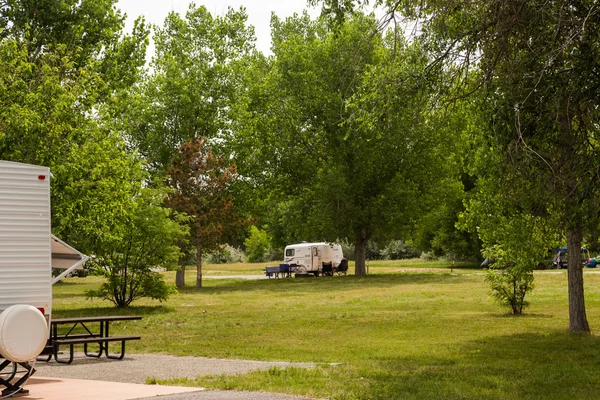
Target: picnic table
86,330
284,270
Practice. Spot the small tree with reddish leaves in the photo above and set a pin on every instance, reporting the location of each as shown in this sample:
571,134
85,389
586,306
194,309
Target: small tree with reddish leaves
202,183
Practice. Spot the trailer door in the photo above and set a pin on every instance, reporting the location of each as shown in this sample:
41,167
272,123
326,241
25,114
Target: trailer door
316,258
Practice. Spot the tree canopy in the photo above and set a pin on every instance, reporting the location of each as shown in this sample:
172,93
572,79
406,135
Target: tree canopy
476,129
352,154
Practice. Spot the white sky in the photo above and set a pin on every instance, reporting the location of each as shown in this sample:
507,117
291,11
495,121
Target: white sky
259,13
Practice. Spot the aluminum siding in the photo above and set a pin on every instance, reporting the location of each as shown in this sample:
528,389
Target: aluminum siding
25,252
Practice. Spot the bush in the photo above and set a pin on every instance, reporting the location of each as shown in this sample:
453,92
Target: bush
127,256
347,248
394,250
428,256
398,250
257,245
509,285
225,255
372,252
274,254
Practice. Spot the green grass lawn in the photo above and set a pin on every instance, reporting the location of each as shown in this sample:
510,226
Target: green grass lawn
429,333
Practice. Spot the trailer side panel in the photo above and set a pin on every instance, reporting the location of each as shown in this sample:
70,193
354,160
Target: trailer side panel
25,249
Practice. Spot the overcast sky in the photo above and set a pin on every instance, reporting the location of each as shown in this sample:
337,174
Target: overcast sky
259,12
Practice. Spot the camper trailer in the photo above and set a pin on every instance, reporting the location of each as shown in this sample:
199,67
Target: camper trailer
314,258
28,252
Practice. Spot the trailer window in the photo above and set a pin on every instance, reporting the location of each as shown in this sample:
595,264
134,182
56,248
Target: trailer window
290,252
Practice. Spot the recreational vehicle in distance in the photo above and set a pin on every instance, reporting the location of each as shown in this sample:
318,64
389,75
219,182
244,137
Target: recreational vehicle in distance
28,252
314,258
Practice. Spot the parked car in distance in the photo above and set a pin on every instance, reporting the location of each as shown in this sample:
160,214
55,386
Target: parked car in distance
592,262
561,258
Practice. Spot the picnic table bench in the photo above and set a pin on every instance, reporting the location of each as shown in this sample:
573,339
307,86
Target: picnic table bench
284,270
89,334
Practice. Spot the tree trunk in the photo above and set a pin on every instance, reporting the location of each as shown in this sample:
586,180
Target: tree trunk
180,274
360,248
199,266
577,317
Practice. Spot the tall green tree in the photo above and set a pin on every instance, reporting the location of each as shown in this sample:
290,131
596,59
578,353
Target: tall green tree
539,64
63,64
350,153
196,80
539,61
66,70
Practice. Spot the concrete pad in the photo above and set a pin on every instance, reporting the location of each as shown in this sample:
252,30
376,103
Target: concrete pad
76,389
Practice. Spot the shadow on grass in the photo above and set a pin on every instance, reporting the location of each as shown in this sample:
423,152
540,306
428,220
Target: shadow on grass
525,366
522,316
337,283
459,266
65,283
102,311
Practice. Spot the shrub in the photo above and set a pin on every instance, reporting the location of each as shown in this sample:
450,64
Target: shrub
145,239
428,256
225,255
274,254
372,252
398,250
509,284
347,248
257,245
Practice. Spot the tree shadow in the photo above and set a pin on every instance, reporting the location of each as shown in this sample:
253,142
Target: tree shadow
103,311
317,285
555,365
66,283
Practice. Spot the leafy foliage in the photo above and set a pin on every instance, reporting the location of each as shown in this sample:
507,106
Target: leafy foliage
196,80
257,245
349,151
538,64
143,239
201,182
398,250
509,285
225,255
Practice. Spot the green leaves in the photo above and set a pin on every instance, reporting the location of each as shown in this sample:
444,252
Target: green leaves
340,126
257,245
509,286
195,84
65,74
145,238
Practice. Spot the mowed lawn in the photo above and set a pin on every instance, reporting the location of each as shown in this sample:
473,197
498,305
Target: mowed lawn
408,330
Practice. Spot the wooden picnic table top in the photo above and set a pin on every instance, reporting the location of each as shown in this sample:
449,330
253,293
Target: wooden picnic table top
106,318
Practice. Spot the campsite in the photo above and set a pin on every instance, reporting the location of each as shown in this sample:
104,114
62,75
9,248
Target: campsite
410,329
408,168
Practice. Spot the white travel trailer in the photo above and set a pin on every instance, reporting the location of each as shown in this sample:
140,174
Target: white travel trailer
314,258
28,252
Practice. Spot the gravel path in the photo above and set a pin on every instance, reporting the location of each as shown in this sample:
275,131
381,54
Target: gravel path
135,368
